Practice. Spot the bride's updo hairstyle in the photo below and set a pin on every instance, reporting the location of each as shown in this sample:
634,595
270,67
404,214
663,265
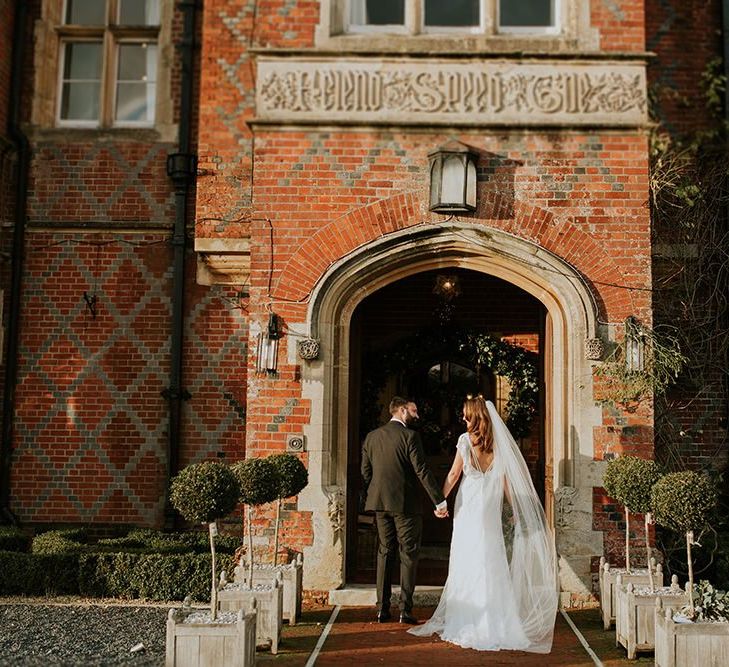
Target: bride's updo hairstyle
479,423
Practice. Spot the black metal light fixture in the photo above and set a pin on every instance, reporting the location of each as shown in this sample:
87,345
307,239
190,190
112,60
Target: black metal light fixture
267,359
453,179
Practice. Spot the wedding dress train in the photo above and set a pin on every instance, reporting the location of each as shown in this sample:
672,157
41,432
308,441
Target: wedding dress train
501,590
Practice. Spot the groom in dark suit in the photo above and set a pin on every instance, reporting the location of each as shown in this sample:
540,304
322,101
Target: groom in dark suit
393,461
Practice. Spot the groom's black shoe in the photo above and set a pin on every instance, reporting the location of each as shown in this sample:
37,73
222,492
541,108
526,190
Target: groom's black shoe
384,616
408,618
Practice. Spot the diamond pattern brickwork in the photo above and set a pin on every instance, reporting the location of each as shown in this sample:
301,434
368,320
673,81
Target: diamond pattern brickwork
91,424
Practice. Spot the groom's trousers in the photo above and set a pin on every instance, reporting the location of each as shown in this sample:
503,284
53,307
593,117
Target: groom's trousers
404,531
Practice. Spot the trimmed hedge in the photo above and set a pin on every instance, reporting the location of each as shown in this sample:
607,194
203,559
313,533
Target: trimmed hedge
120,575
258,480
59,542
629,480
38,574
141,541
204,492
148,576
292,474
145,564
195,541
13,539
684,501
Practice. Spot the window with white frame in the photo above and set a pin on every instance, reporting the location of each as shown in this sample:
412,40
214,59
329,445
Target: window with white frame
447,16
108,63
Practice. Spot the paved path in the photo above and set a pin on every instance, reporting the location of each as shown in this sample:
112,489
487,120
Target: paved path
355,640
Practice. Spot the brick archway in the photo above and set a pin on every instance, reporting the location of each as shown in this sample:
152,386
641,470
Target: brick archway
355,230
572,314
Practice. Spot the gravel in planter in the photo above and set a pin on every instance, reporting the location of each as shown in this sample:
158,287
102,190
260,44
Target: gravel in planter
204,616
85,634
642,589
244,587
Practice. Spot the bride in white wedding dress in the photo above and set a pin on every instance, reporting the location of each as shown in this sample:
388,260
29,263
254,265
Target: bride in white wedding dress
501,591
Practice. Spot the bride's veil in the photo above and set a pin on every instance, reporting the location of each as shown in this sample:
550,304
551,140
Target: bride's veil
533,559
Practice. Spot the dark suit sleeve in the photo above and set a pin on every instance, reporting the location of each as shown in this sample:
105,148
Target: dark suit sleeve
427,479
366,466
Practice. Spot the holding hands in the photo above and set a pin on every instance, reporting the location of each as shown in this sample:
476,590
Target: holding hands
441,513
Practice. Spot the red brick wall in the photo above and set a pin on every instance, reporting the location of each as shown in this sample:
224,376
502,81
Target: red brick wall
621,24
110,182
90,440
91,424
685,35
89,428
581,195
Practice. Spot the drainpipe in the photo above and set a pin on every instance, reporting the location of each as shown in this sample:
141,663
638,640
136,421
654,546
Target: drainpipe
18,137
181,168
725,56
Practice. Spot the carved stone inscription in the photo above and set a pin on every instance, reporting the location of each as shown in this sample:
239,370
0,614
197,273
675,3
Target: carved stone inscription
436,92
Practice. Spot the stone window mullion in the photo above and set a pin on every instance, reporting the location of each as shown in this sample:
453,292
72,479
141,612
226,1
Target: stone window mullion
488,16
414,16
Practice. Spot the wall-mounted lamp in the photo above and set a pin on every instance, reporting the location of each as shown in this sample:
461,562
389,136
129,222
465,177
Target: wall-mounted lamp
453,179
266,361
634,345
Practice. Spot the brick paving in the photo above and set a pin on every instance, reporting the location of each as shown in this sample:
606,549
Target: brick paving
356,639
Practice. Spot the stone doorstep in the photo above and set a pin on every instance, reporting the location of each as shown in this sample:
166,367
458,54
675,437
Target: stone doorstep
364,595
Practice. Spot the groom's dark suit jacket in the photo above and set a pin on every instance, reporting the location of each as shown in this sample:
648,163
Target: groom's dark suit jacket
392,462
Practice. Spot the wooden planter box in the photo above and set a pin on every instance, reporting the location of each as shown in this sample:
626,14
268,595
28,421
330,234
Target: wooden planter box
269,602
211,644
635,613
292,577
608,578
689,644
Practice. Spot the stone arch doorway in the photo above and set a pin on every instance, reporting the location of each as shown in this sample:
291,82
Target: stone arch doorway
404,340
569,413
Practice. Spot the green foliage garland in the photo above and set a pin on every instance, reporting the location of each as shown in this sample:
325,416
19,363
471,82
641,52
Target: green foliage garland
477,350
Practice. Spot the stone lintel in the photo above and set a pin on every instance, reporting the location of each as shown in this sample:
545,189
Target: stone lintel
447,92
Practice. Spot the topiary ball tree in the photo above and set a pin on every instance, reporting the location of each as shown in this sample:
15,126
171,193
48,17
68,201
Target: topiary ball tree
204,493
630,480
258,484
292,477
684,502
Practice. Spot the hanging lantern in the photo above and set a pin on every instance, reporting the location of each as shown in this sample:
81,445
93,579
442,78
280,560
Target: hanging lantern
267,359
453,179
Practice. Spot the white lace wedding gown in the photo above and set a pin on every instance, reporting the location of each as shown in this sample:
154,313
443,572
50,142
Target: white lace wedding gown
500,594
